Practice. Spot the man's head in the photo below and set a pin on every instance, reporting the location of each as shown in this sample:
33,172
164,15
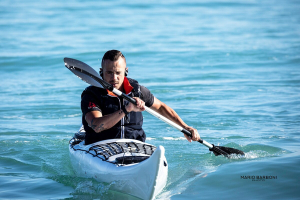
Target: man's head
114,68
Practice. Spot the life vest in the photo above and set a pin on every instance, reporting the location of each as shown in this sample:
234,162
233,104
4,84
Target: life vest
129,126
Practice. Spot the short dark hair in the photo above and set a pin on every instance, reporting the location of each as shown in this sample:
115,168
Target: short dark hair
112,55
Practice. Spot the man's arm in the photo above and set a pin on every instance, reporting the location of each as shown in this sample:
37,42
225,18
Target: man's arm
169,113
99,123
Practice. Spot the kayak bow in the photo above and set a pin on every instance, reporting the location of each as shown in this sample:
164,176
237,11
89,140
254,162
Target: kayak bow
129,166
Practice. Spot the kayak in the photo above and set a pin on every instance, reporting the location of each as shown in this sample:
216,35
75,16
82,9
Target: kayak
130,166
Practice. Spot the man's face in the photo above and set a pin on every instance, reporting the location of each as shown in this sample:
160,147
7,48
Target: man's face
114,72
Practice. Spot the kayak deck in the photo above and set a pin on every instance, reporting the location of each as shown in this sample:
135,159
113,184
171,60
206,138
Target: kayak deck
131,152
119,152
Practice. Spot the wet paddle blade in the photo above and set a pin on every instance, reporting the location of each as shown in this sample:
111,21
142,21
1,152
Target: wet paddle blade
226,151
83,71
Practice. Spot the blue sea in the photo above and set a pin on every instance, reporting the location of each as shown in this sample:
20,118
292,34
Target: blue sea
230,68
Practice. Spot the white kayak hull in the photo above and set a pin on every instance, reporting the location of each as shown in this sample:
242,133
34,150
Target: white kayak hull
143,180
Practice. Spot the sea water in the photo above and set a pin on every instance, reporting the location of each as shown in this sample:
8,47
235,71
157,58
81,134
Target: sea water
230,68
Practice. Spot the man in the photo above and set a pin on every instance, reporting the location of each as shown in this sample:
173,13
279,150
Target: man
107,116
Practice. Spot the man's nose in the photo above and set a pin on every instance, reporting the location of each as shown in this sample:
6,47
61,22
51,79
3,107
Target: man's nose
115,76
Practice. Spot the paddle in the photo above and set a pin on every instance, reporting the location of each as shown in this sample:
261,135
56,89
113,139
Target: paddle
89,75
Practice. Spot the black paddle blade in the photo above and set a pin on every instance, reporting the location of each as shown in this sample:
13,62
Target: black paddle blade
225,151
83,71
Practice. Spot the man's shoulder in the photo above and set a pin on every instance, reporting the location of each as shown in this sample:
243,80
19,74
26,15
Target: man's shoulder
131,80
93,90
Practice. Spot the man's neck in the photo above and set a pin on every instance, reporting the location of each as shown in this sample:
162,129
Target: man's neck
122,88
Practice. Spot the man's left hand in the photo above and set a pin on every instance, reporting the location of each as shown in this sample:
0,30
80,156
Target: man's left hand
194,132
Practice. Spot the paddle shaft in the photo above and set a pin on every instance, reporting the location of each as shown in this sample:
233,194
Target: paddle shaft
159,116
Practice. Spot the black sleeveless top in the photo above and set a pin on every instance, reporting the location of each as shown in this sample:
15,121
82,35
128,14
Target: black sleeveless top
94,98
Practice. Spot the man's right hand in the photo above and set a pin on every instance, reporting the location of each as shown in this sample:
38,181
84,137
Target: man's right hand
139,107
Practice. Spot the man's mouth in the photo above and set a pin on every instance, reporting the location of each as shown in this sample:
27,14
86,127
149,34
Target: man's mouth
113,83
